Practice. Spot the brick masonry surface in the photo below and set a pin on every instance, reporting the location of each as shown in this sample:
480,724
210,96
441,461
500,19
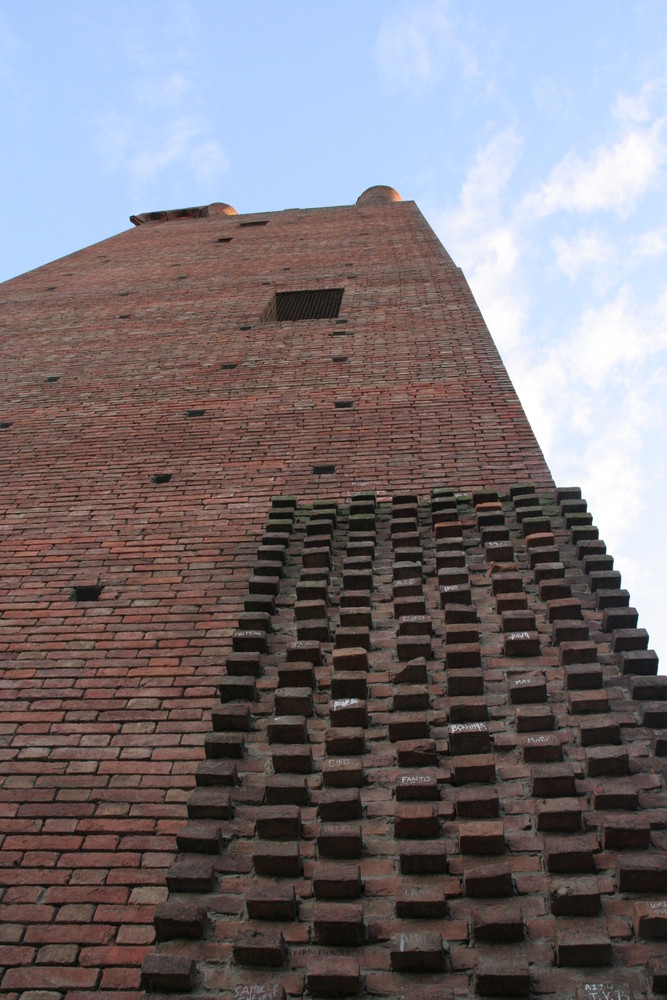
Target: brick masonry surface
399,737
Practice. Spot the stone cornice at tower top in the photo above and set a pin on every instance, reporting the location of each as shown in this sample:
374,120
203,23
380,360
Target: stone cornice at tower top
379,194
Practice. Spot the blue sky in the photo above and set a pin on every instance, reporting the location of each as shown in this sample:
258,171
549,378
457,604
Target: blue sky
533,135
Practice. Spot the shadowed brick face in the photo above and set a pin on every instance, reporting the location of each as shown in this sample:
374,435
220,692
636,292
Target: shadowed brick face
304,698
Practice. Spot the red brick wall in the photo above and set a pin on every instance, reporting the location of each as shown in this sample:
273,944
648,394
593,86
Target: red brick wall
107,703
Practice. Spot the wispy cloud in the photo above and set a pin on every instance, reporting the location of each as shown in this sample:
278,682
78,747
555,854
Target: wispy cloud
160,127
417,48
593,380
587,251
612,177
483,238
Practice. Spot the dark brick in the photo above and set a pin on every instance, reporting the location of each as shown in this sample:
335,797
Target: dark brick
339,924
411,952
167,973
495,978
271,902
259,948
333,976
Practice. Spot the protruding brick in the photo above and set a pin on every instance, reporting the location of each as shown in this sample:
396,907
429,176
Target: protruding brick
631,832
339,924
426,902
191,875
339,804
339,840
278,822
498,924
488,881
474,768
336,881
585,948
575,897
410,952
497,978
259,948
333,976
416,819
644,873
650,919
529,689
482,838
200,837
271,901
422,857
179,920
569,855
342,772
167,973
280,859
469,738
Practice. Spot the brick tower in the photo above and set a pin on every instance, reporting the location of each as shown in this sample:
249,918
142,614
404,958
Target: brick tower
313,682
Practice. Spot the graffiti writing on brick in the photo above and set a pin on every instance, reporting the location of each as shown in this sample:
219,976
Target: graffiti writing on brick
607,991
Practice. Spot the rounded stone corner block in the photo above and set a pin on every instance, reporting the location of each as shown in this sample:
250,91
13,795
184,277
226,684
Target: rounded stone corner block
379,194
221,208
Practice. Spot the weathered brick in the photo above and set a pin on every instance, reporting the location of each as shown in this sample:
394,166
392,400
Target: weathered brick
339,840
259,948
498,924
489,880
271,902
179,920
339,924
588,948
336,881
333,976
410,952
495,978
166,973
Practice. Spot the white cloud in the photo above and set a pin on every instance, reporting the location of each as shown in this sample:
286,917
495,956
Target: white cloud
162,91
418,48
161,128
483,242
652,243
619,333
639,107
587,250
613,177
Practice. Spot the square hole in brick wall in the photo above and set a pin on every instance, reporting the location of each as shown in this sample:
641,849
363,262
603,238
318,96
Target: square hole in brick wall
313,303
86,592
161,477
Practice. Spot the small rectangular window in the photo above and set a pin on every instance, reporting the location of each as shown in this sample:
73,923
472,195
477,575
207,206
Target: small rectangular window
316,303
